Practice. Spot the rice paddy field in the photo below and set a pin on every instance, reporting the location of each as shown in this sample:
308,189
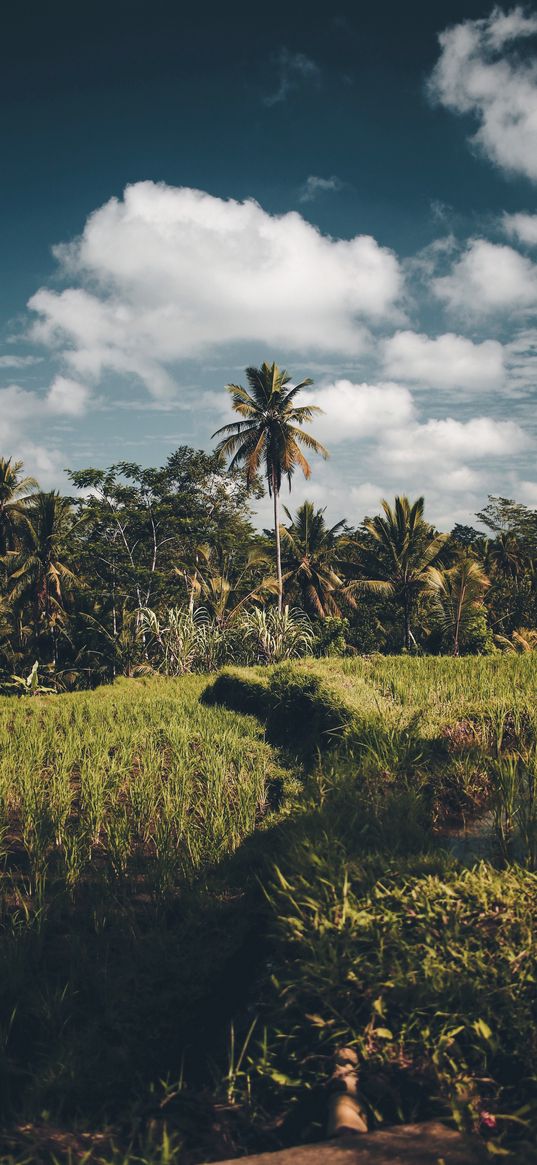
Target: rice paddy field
210,883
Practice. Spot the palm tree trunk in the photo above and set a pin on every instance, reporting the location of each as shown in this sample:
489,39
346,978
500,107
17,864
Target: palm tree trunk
457,629
406,605
276,497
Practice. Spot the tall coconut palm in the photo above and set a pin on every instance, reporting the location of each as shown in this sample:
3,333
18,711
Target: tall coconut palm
270,435
458,594
397,556
14,491
38,571
311,553
506,556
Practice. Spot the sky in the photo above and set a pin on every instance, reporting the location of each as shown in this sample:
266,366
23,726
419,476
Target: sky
350,193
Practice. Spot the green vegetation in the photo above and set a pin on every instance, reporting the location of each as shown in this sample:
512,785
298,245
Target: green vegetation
114,806
298,810
209,884
161,570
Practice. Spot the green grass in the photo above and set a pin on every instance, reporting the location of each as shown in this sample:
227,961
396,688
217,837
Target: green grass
117,807
209,882
137,773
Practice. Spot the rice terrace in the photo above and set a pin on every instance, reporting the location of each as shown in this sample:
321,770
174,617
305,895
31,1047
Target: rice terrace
211,883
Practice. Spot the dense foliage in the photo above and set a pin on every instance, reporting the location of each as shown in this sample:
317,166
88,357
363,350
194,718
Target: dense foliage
162,570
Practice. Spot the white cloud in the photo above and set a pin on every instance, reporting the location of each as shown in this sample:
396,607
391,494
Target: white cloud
315,186
20,407
390,440
167,273
358,411
527,493
477,73
43,462
381,448
446,443
67,397
295,70
521,226
488,278
327,490
447,362
12,361
16,405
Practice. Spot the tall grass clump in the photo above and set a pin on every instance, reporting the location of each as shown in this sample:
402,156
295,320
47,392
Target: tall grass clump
191,640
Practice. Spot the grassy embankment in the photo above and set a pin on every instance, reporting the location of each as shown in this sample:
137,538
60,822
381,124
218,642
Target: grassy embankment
187,902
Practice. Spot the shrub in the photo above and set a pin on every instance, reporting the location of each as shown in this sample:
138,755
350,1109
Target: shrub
330,636
426,969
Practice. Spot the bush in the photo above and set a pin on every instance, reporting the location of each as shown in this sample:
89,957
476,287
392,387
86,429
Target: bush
300,713
427,969
330,636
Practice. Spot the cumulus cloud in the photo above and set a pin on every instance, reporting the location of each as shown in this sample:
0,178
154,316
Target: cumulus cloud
314,186
382,446
387,414
19,407
167,273
67,397
489,277
326,489
479,74
43,462
522,227
527,492
295,70
12,361
450,441
448,362
358,411
386,417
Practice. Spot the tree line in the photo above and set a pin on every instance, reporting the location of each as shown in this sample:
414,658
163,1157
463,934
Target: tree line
161,569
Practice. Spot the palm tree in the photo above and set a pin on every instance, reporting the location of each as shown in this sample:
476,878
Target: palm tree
524,640
38,571
222,591
270,435
311,552
13,501
397,557
458,594
506,556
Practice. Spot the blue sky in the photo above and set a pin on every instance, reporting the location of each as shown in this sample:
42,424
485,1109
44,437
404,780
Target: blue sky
351,194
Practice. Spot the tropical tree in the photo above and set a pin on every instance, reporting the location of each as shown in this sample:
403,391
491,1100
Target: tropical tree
506,556
220,586
522,641
458,596
14,491
396,554
38,570
311,552
270,435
